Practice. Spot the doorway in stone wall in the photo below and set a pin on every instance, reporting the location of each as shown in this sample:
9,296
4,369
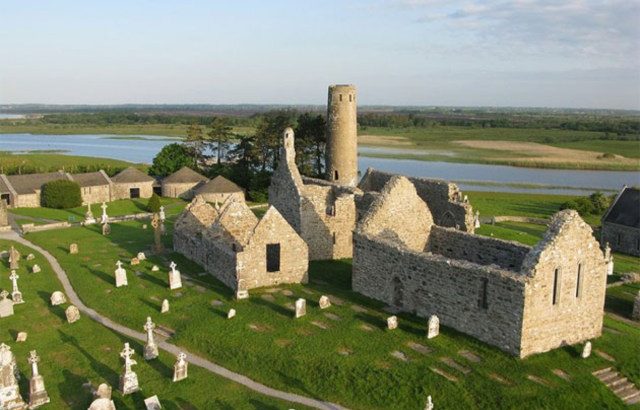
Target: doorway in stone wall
398,292
134,193
273,257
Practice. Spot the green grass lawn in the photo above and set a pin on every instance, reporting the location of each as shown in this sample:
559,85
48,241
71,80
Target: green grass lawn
173,206
74,354
34,163
350,362
620,298
629,149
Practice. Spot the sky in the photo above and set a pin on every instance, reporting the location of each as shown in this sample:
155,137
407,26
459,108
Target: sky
572,53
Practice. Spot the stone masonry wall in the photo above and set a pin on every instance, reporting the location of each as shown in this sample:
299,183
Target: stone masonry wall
4,213
222,197
121,190
428,284
96,194
576,315
178,190
27,200
624,239
478,249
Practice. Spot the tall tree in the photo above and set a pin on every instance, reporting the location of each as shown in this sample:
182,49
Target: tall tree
268,135
220,136
171,158
311,141
196,141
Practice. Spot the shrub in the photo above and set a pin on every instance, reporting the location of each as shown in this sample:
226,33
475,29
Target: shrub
154,203
61,194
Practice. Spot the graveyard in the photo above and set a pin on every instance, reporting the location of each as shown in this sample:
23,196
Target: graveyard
343,354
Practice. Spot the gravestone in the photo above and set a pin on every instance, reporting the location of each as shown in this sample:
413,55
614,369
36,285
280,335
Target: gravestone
106,229
6,304
392,322
73,249
586,350
128,379
242,294
14,258
635,314
301,308
609,259
88,216
141,256
161,214
433,327
104,219
16,295
165,306
103,399
121,275
58,298
180,369
151,348
429,405
152,403
37,393
72,313
135,261
175,281
144,226
231,314
324,302
476,220
9,390
155,268
158,248
31,257
36,268
21,337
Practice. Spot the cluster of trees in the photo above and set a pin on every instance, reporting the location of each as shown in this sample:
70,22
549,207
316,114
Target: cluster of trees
248,160
594,204
24,168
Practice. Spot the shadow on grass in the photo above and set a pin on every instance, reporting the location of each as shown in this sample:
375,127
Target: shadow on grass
262,406
372,320
99,274
281,310
152,305
71,390
103,370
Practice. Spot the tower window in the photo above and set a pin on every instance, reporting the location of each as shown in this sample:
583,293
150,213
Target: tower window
350,97
335,175
556,287
340,97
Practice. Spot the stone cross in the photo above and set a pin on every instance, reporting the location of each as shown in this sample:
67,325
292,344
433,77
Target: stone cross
180,369
157,233
129,379
119,265
429,405
148,327
105,217
162,214
175,280
173,266
16,295
150,349
14,258
476,220
33,360
88,216
433,327
126,354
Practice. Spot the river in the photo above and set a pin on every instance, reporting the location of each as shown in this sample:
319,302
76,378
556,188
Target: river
468,176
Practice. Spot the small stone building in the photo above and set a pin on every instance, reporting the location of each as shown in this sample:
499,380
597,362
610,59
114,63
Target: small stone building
521,299
132,183
219,189
182,183
621,223
24,190
241,251
95,187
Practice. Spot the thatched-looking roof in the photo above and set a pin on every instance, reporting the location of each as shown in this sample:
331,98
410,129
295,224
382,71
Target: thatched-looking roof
131,175
90,179
218,185
184,175
30,183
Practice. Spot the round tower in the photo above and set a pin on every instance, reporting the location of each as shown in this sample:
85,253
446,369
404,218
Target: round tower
342,135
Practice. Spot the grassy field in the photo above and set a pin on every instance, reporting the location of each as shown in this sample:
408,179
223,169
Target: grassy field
346,356
173,206
74,354
31,163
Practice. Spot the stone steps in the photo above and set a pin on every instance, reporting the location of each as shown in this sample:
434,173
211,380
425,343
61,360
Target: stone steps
619,385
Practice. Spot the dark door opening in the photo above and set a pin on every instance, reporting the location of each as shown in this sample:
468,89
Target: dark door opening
398,292
6,198
134,193
157,190
273,257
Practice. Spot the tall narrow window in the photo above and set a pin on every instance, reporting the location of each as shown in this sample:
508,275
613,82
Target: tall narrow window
273,257
556,287
619,239
335,175
349,97
341,97
483,301
579,281
334,238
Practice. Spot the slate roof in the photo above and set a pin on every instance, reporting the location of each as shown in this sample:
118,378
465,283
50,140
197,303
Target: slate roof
30,183
625,210
218,184
184,175
90,179
3,187
131,175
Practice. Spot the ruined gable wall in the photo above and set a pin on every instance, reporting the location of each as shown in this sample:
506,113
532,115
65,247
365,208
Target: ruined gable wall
442,198
284,193
294,261
431,284
621,238
219,259
568,245
482,250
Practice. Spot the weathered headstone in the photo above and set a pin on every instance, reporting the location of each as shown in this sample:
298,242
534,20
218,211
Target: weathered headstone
103,399
135,261
151,348
37,392
141,256
165,306
73,249
152,403
144,226
180,369
429,405
609,259
324,302
72,313
231,314
476,220
392,322
88,216
128,379
21,337
16,295
301,308
586,350
36,268
121,275
6,304
58,298
161,214
635,314
155,268
31,257
9,390
433,327
175,280
106,229
14,258
242,294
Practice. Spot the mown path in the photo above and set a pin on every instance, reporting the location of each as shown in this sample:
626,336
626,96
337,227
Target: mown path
191,358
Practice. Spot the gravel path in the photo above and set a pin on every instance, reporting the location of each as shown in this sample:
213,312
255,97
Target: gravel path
191,358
